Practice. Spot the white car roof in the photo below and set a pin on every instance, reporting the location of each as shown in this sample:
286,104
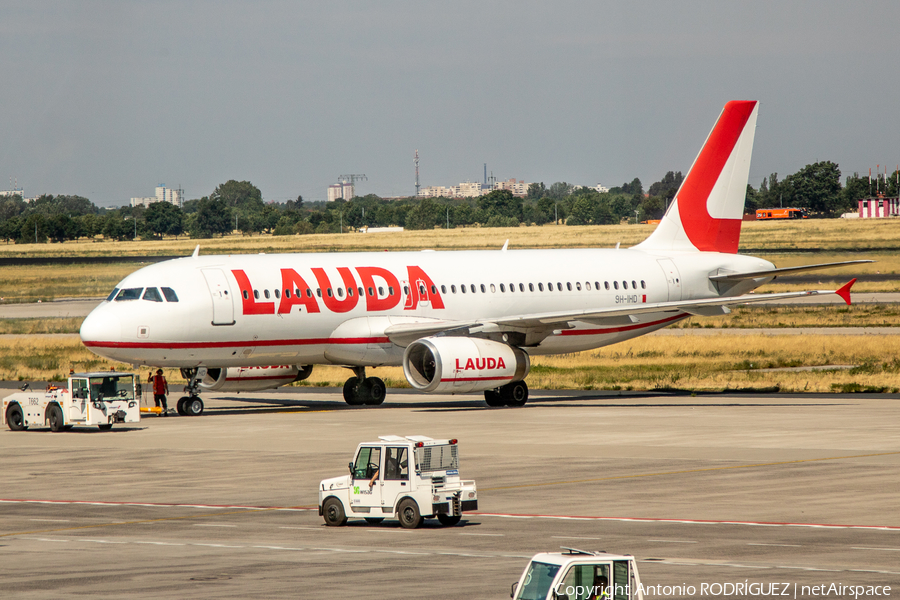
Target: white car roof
427,441
564,558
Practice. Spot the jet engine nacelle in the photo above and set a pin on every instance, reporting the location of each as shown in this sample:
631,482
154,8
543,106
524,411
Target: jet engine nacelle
462,364
252,379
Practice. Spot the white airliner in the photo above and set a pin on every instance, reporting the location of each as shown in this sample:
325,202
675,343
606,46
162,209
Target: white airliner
464,321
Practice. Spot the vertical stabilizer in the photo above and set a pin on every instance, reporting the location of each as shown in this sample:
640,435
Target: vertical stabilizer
706,213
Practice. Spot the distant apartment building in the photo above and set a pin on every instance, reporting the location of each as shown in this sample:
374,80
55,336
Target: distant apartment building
518,188
470,189
163,194
12,192
343,191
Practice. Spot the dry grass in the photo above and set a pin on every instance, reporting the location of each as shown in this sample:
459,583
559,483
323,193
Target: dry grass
745,317
691,363
47,282
808,235
40,326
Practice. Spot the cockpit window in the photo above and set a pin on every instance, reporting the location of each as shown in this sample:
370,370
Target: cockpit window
112,295
170,295
152,294
129,294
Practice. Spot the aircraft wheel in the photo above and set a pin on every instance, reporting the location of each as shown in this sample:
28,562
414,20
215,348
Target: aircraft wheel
374,520
105,426
180,406
15,419
449,520
515,393
193,406
409,515
376,391
333,513
55,417
493,398
352,395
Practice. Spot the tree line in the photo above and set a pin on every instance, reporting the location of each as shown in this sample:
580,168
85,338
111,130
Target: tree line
238,206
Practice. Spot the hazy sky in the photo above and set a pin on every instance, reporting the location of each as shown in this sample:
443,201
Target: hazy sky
109,99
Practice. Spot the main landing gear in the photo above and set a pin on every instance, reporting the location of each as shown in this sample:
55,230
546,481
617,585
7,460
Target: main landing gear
360,390
191,405
511,394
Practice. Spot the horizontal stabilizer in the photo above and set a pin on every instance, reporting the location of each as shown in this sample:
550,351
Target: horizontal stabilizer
784,271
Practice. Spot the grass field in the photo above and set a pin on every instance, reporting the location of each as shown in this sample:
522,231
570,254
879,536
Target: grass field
647,363
811,235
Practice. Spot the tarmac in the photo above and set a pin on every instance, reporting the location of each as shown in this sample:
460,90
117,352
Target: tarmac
709,488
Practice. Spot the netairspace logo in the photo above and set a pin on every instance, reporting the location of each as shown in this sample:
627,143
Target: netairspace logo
757,589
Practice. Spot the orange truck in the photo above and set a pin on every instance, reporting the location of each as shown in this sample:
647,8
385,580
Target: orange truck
764,214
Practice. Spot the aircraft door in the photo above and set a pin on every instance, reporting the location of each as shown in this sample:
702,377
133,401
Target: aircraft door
223,307
673,278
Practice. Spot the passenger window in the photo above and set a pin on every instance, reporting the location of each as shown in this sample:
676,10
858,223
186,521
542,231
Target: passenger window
606,284
597,285
482,289
502,288
559,286
390,290
152,294
493,288
587,285
381,291
396,464
569,285
371,292
129,294
319,292
170,295
308,293
406,290
530,287
549,287
616,284
443,289
266,294
512,287
472,288
278,293
287,293
452,289
643,284
634,285
540,287
521,287
421,289
624,285
112,294
340,292
329,292
578,285
433,290
462,288
367,462
256,294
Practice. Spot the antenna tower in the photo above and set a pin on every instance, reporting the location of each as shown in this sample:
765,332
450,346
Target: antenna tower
417,173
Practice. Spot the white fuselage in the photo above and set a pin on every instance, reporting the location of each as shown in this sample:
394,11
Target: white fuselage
235,310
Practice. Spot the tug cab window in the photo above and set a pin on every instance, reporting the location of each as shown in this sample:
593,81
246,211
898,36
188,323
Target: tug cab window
367,463
396,464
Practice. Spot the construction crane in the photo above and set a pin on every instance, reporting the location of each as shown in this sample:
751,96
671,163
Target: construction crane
352,178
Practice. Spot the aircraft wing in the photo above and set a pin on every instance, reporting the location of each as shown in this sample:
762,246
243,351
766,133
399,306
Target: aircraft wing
406,333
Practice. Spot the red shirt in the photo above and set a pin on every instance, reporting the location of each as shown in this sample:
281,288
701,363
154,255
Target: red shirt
159,384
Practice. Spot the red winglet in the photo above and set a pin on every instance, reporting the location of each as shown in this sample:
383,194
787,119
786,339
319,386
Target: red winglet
844,292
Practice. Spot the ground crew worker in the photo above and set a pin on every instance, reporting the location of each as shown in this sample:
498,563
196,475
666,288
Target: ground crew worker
160,389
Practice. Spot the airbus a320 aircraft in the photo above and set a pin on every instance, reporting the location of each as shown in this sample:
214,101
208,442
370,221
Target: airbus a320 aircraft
462,321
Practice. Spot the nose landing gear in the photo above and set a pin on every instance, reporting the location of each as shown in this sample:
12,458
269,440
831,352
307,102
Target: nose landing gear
191,405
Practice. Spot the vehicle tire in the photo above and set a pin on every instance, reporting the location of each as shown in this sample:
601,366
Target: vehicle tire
68,427
15,419
55,417
374,520
180,406
376,391
493,398
449,520
408,513
352,392
105,426
515,393
193,407
333,513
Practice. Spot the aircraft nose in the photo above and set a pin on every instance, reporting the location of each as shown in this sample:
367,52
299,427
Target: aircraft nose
101,326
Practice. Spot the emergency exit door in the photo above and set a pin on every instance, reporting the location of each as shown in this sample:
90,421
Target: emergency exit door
219,290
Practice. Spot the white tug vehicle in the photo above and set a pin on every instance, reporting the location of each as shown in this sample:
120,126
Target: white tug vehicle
579,575
409,478
100,398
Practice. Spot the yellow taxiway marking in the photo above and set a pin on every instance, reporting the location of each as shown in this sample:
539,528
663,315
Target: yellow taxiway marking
757,465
